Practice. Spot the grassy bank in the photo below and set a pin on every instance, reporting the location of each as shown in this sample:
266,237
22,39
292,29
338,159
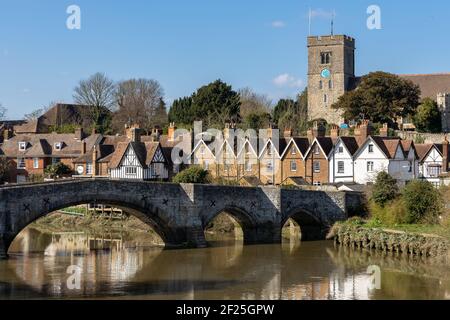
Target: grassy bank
421,240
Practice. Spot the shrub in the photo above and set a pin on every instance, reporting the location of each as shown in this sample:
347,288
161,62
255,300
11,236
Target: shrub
57,170
423,202
385,189
193,174
391,214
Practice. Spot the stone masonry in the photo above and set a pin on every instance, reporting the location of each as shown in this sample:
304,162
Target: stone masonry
179,213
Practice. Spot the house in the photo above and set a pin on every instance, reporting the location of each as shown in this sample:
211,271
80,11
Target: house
226,157
138,160
292,159
204,156
30,154
248,159
270,165
317,160
432,163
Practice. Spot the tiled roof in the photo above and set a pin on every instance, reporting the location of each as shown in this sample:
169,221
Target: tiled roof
423,150
430,84
326,144
388,145
302,144
351,144
145,152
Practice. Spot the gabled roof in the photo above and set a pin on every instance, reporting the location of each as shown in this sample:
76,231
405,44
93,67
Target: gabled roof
388,145
279,148
145,153
423,150
350,143
302,144
325,144
252,146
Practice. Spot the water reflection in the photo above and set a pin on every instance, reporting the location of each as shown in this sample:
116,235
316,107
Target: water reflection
115,266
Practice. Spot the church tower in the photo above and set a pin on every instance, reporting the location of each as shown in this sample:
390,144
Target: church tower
331,72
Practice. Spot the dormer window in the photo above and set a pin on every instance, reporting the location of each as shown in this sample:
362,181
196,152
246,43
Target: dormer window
22,146
370,148
58,146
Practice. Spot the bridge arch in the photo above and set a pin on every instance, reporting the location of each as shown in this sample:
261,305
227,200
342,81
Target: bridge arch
311,227
242,217
151,215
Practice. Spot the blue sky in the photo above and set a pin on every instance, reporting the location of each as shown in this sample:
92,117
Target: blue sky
185,44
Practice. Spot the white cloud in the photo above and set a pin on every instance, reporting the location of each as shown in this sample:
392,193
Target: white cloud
26,90
278,24
321,13
286,80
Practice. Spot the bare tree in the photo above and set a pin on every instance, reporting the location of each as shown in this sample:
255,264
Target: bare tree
98,94
140,101
253,103
34,115
2,112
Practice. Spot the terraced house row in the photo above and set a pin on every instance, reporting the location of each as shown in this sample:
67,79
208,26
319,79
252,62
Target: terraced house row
316,159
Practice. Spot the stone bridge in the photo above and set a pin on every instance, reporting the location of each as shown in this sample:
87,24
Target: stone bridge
180,213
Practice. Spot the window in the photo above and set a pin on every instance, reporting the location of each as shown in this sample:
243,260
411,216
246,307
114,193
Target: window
129,171
330,84
22,146
293,166
434,170
370,166
340,150
325,98
320,85
227,167
56,160
316,167
202,150
269,150
325,57
410,169
370,148
21,163
58,146
270,166
248,166
36,163
316,150
317,183
293,151
89,168
341,167
206,165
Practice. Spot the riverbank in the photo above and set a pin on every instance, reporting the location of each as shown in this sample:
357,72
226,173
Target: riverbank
410,240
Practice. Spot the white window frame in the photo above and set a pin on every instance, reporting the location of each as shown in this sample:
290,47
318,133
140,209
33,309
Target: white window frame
58,146
316,167
370,166
35,163
248,166
341,167
89,168
206,165
371,148
21,161
131,171
293,166
22,146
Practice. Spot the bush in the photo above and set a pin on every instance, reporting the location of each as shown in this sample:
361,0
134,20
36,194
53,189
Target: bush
57,170
4,169
423,202
393,213
192,175
385,189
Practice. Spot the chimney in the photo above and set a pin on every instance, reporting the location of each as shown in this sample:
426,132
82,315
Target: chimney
94,161
228,131
288,133
135,134
155,135
445,155
334,132
7,134
317,131
362,132
79,134
384,131
171,132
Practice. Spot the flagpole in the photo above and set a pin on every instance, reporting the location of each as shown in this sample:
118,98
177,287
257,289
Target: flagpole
309,21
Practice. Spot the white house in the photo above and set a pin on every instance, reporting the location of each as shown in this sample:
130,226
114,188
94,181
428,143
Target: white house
384,154
431,162
138,160
341,161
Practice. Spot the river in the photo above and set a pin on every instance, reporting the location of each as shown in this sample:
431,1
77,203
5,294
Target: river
115,266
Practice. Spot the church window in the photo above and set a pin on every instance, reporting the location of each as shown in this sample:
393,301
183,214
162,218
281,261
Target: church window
325,57
320,85
325,98
330,84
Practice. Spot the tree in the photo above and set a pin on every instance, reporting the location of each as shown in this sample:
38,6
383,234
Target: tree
253,103
216,104
2,112
283,106
290,114
428,117
385,189
181,111
34,115
98,94
140,102
4,169
57,170
423,202
194,174
380,97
